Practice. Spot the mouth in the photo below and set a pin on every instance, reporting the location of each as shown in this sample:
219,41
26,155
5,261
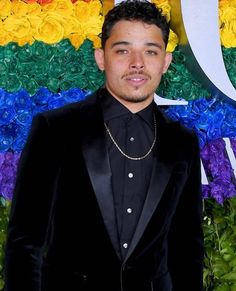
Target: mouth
136,80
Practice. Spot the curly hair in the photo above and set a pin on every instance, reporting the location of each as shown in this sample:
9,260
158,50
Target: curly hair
135,10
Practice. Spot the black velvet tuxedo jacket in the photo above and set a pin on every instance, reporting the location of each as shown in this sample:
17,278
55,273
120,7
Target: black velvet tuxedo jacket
62,231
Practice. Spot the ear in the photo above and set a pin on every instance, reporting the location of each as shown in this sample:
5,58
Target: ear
167,61
99,58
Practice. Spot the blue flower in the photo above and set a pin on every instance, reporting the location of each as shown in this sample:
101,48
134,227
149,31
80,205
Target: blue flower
73,95
203,121
42,96
24,117
18,144
7,114
5,142
10,99
56,101
22,99
202,105
2,97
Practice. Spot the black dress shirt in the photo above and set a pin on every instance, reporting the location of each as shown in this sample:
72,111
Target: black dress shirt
134,134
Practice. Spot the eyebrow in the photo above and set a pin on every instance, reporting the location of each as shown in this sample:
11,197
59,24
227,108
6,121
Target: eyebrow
129,43
120,43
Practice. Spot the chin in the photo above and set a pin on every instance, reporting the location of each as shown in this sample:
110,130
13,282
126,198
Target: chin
136,98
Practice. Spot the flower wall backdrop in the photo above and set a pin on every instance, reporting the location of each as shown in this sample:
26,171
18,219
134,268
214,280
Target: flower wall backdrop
46,61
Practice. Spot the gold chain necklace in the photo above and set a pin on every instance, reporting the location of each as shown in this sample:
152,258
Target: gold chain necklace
124,154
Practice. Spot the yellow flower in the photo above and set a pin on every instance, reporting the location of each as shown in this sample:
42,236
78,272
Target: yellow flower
227,3
81,10
76,39
84,10
176,22
19,8
34,9
228,26
223,3
50,29
35,21
5,38
62,7
227,14
17,27
228,33
93,25
95,39
164,6
71,25
107,5
95,7
172,42
5,8
228,38
160,2
24,40
232,3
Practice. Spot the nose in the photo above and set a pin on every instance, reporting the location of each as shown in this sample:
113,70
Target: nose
136,61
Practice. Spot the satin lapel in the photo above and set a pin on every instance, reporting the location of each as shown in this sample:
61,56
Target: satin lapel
161,172
97,161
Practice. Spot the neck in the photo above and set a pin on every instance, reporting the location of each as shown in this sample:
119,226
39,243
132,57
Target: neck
133,107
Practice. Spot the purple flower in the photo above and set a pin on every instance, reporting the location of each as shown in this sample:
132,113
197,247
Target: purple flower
217,192
219,172
205,191
8,169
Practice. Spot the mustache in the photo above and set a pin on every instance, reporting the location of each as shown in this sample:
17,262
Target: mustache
136,73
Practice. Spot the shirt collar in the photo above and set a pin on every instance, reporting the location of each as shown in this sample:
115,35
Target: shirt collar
112,108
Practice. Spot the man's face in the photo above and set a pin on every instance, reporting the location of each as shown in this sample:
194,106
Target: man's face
134,60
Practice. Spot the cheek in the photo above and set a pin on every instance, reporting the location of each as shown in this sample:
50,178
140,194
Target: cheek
117,65
112,68
157,72
115,72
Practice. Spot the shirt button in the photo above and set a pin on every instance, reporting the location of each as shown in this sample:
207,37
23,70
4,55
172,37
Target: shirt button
131,139
130,175
125,245
129,210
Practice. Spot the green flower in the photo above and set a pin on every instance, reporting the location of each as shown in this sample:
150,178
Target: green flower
13,83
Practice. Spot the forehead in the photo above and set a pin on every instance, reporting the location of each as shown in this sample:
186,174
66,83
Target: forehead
125,30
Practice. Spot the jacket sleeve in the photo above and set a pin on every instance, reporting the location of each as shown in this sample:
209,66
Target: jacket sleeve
186,250
31,209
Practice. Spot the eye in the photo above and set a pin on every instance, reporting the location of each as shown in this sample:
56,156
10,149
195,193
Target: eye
122,51
151,53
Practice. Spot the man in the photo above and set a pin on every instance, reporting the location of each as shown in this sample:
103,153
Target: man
107,195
